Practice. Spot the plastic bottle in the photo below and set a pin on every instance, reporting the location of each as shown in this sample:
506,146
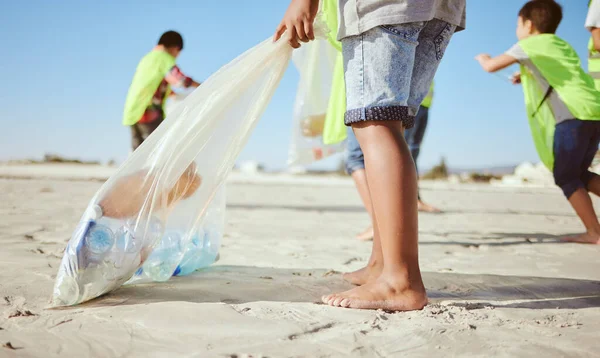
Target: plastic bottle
201,252
165,258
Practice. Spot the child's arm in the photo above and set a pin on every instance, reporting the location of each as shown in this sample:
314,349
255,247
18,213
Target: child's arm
298,20
592,23
176,78
497,63
596,38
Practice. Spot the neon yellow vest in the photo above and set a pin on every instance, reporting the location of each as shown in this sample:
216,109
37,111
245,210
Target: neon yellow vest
334,130
594,63
429,98
593,60
559,64
149,73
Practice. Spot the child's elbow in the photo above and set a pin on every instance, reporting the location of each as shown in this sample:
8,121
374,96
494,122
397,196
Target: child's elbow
489,68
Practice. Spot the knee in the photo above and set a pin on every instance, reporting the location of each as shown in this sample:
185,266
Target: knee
568,185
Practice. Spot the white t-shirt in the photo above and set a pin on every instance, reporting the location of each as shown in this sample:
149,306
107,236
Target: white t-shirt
593,16
358,16
558,106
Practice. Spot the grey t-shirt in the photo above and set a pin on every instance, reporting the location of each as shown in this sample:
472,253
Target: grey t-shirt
358,16
558,106
593,16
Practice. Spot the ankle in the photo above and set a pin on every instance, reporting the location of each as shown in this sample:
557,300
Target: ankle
403,278
374,263
594,232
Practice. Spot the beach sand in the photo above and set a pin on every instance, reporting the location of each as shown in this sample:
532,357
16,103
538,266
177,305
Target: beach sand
499,281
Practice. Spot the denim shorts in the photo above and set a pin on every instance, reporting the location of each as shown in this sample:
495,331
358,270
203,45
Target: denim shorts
388,69
355,160
575,145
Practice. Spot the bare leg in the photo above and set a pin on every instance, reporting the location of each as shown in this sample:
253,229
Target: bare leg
374,266
594,185
582,203
393,190
360,180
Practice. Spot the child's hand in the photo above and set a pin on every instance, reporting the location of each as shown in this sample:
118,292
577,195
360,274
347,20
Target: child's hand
483,57
516,78
298,20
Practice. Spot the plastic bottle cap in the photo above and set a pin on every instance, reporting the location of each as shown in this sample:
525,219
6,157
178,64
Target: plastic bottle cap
96,212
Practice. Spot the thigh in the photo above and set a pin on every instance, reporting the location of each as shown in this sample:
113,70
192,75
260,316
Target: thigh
144,130
571,146
592,131
378,66
433,40
136,137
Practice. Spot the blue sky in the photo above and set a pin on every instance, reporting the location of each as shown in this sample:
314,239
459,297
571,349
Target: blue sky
66,67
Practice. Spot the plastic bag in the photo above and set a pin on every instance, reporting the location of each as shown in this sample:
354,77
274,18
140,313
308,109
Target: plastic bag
203,248
173,257
155,204
315,62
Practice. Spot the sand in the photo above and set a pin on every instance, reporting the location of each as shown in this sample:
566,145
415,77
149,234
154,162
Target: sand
500,282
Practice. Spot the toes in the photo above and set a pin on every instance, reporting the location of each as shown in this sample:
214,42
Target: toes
337,301
328,299
345,303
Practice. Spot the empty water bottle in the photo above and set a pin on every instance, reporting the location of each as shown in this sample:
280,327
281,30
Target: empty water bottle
163,261
201,252
98,241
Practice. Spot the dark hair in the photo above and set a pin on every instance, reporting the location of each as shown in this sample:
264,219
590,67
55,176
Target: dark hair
545,15
171,39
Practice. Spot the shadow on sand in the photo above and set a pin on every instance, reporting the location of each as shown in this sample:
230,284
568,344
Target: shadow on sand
360,209
243,284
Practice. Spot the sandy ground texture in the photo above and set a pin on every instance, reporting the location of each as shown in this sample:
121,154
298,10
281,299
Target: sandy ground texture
500,282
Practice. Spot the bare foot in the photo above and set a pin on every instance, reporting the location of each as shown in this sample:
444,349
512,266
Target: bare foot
426,208
384,293
366,235
586,238
366,274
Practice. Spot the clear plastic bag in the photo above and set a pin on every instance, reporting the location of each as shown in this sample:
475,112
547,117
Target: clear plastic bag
164,203
315,62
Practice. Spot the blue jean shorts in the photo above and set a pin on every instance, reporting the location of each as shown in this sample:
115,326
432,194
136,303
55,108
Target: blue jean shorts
388,69
575,145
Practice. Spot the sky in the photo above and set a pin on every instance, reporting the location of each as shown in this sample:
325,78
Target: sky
66,67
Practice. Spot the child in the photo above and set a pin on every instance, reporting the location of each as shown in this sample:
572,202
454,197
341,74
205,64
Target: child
151,86
391,50
562,103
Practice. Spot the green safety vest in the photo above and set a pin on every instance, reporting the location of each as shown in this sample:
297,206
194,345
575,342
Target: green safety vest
334,130
593,61
429,98
149,74
559,64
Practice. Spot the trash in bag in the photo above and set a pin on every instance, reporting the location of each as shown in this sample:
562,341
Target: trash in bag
200,251
203,248
316,62
150,212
